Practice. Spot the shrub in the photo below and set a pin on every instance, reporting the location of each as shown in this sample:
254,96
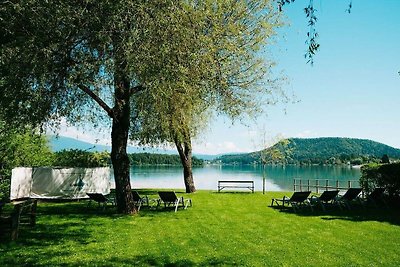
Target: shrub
381,175
81,158
4,189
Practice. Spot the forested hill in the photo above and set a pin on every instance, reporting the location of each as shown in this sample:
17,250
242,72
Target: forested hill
327,150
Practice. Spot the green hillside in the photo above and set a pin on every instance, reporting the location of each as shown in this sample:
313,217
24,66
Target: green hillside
327,150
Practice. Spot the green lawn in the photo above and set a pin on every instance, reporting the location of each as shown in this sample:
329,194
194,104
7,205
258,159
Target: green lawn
220,229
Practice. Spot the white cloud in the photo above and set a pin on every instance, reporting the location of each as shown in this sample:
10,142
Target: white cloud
94,136
305,134
218,148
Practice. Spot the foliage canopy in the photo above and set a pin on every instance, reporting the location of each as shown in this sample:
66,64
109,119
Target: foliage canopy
132,61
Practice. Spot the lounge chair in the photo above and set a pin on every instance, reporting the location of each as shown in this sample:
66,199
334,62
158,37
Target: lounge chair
170,199
376,197
297,200
349,197
326,198
100,199
139,200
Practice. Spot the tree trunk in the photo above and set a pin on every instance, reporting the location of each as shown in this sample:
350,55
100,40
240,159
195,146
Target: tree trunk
119,136
185,153
120,162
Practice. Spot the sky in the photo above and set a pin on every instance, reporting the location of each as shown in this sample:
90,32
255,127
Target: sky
352,90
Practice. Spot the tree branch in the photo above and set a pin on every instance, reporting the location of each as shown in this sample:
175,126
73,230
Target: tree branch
98,100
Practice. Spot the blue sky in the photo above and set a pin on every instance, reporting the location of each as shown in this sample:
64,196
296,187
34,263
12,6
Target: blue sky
353,89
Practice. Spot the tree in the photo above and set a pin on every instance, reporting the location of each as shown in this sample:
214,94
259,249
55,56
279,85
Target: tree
20,147
385,159
275,150
214,64
87,60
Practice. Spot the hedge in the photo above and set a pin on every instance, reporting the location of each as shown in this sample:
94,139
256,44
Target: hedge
381,175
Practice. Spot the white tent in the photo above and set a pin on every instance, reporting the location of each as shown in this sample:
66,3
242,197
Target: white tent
58,183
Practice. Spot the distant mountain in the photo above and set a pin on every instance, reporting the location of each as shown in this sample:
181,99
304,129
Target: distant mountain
58,143
326,150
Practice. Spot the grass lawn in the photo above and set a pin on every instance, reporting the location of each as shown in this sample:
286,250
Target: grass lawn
220,229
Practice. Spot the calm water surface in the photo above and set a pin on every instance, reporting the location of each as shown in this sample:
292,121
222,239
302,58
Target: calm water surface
278,178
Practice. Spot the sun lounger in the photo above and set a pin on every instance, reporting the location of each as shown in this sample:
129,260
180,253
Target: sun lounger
100,199
350,197
326,198
297,200
170,199
376,197
139,200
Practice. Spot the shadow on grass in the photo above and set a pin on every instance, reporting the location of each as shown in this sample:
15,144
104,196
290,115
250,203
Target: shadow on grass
83,212
357,213
165,260
141,260
77,208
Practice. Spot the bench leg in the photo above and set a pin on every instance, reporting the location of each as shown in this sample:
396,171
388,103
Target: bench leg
14,227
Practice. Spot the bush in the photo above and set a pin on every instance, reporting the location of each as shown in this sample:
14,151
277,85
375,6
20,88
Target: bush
4,189
80,158
381,175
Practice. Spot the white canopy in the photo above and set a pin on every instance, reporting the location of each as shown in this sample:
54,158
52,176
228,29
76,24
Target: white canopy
58,183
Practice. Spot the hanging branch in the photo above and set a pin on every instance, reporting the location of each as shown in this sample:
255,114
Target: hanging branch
312,34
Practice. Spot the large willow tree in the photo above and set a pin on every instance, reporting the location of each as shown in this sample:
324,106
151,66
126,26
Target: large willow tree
96,60
211,62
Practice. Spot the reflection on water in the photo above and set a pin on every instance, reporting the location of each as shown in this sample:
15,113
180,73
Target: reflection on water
278,178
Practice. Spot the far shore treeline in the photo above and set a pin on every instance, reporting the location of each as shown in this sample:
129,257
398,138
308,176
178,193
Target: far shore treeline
81,158
293,151
318,151
34,150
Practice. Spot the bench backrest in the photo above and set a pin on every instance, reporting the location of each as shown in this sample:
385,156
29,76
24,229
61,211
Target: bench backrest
236,182
26,206
23,212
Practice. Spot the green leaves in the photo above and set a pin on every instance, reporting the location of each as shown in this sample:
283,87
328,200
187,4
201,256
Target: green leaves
22,147
205,58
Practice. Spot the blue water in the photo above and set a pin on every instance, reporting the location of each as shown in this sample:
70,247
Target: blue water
278,178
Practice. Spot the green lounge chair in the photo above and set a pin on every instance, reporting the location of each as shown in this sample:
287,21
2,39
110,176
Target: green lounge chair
349,197
170,199
101,199
326,198
376,197
139,200
297,200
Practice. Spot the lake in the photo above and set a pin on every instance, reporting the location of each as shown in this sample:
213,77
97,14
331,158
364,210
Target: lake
278,178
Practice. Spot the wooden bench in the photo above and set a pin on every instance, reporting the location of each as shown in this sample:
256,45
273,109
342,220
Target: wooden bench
24,213
236,184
